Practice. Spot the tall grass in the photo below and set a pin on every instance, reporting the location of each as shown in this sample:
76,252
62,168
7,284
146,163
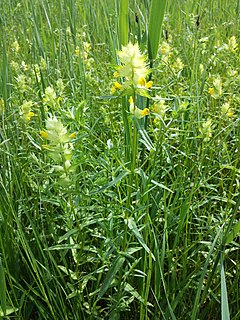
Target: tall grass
143,223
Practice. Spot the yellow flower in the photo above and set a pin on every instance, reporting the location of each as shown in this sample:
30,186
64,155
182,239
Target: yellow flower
73,135
117,85
115,74
29,116
113,90
178,65
16,46
142,82
25,111
149,84
211,91
227,110
55,132
44,134
145,112
232,44
138,113
165,49
133,67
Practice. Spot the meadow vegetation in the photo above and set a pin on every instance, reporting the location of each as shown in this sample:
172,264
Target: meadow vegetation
119,160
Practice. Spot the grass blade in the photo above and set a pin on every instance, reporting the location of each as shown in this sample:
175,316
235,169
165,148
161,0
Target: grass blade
224,295
155,27
2,288
133,227
112,183
123,23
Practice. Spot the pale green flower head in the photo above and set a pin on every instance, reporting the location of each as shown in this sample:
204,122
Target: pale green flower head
55,132
133,68
50,96
206,130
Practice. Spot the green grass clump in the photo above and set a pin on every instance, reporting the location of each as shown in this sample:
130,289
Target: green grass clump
104,214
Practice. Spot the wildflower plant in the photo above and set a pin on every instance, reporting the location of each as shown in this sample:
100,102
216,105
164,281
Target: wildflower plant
133,71
59,147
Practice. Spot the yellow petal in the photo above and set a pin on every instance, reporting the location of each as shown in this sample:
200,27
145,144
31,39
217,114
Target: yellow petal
117,85
73,135
44,134
149,84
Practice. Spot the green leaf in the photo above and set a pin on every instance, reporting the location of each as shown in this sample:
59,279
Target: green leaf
9,310
117,264
133,227
112,183
161,186
224,296
123,23
235,231
135,294
155,27
2,289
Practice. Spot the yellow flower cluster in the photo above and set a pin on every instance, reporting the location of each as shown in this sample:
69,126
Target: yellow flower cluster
25,111
59,147
133,71
216,91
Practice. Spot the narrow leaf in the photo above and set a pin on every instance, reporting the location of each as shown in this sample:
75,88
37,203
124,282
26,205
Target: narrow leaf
155,27
112,183
135,294
224,296
235,231
133,227
117,264
123,23
161,185
2,289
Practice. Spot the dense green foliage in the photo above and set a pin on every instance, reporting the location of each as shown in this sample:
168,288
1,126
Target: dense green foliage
114,217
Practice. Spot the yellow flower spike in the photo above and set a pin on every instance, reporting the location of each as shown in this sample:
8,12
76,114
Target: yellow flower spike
117,85
149,84
211,91
44,134
73,135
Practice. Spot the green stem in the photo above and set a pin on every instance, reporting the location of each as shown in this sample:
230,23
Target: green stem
133,155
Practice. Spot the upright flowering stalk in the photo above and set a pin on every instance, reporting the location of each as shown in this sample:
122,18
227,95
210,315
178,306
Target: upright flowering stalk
59,147
131,81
